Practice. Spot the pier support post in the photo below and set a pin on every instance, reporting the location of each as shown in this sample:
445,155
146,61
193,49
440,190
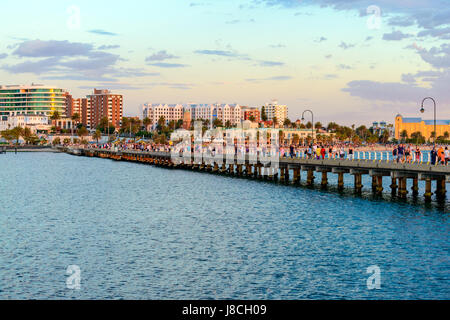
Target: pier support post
428,193
282,174
286,176
340,180
394,186
310,178
379,189
415,187
296,176
358,182
402,192
440,188
324,179
374,184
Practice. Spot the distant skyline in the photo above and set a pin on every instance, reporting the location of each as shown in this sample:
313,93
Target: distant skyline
336,57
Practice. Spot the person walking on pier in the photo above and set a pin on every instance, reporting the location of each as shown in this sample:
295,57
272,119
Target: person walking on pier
395,154
447,155
433,156
418,154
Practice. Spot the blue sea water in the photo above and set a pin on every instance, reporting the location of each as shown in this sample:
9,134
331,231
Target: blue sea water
141,232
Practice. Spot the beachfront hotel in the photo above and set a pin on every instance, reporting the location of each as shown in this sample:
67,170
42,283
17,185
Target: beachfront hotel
425,127
35,99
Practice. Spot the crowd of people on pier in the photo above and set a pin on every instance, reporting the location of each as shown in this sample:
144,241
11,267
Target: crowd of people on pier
400,153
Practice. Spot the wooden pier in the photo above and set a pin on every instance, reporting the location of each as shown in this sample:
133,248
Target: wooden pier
289,170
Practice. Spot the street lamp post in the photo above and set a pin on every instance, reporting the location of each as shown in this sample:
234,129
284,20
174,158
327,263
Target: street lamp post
312,119
422,110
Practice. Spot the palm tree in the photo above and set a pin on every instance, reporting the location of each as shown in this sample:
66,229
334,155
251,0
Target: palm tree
146,123
27,135
404,135
446,135
82,132
55,117
75,119
97,135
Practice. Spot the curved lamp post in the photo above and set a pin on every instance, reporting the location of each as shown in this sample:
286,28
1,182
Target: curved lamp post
312,128
422,110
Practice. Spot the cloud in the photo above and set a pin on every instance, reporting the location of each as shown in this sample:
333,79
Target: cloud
428,15
330,76
396,36
401,21
346,46
276,46
3,55
161,56
168,65
236,21
274,78
64,60
217,53
109,47
52,48
271,64
344,67
223,53
113,86
103,32
408,90
321,39
438,57
442,33
385,91
328,56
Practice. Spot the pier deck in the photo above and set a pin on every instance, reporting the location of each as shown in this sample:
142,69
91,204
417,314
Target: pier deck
397,172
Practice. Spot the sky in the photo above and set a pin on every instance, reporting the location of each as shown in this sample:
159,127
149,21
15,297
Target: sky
350,61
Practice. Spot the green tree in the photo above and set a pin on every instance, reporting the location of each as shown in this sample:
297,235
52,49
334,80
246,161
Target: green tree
146,122
16,133
82,132
97,135
217,123
56,141
263,114
404,135
287,123
55,117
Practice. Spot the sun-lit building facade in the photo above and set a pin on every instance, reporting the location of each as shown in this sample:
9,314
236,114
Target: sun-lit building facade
34,99
425,127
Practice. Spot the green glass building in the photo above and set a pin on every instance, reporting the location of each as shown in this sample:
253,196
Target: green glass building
31,100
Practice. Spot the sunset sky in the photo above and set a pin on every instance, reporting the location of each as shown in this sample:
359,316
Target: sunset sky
334,57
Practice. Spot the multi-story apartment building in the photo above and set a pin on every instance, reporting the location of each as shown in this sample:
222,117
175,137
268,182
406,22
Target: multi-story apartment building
73,105
101,104
224,112
35,99
251,113
275,110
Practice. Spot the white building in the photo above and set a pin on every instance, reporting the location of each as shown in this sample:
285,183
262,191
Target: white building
275,110
224,112
34,122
